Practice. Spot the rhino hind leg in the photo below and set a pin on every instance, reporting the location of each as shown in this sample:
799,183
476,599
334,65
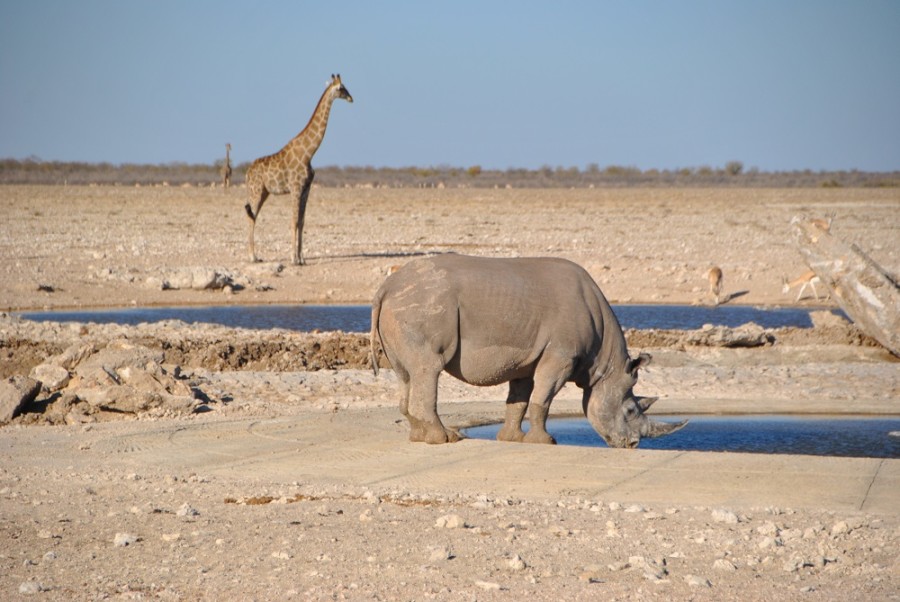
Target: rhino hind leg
516,404
421,410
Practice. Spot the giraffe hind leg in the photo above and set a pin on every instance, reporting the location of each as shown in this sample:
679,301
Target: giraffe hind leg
251,215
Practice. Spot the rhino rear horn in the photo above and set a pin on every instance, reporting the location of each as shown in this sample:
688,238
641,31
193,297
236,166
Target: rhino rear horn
655,428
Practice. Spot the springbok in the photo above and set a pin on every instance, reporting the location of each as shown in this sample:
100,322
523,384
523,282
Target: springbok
808,279
823,223
715,282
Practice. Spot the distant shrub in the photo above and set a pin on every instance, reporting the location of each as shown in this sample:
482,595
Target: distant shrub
734,168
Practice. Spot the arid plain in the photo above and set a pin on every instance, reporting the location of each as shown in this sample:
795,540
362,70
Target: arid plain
119,509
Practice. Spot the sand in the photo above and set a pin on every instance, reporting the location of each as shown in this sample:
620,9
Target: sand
122,509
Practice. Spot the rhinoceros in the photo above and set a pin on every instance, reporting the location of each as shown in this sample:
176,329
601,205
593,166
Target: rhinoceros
536,323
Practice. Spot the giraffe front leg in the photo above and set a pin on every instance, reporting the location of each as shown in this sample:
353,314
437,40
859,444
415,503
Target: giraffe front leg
299,218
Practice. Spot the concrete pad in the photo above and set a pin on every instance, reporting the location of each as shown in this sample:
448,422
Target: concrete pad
369,449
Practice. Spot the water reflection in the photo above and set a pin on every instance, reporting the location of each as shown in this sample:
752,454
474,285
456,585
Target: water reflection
808,435
356,318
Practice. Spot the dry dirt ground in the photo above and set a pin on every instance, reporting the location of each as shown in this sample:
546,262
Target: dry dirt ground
81,519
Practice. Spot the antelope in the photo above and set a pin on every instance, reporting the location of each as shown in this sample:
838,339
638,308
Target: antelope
823,224
808,279
715,282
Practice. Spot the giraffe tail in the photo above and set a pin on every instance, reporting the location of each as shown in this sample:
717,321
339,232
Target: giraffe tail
249,211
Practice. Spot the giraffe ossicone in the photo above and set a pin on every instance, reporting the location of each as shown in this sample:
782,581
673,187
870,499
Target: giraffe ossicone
289,171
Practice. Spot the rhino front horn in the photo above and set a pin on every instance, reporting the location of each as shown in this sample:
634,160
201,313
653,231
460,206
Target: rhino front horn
655,428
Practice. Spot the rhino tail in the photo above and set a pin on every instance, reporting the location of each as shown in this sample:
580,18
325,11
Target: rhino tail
375,335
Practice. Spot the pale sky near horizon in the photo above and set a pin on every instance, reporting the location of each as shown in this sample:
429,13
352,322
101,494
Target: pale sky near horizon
778,85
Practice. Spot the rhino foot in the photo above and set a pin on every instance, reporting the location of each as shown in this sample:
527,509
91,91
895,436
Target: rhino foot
507,433
434,435
536,436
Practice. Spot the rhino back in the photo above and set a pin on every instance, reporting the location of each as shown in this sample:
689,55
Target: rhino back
501,313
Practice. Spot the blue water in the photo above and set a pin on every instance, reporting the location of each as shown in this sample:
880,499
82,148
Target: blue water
356,318
806,435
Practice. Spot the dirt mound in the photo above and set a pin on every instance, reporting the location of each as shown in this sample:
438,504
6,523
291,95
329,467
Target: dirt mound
25,344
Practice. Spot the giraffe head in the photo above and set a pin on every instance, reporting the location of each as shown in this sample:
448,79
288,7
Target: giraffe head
338,90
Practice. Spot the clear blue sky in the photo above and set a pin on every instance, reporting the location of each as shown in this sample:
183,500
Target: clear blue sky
778,85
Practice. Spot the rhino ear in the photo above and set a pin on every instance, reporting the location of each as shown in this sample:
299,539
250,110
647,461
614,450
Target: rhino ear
645,402
642,361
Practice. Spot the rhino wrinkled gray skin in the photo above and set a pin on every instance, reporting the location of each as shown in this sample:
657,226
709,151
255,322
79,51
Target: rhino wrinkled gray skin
536,323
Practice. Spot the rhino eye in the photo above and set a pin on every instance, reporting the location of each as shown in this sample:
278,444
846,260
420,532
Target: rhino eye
631,411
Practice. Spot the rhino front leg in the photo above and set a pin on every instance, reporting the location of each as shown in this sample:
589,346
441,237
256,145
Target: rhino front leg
425,424
549,379
516,404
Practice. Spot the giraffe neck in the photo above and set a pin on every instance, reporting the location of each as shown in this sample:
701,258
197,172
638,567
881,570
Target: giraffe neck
314,132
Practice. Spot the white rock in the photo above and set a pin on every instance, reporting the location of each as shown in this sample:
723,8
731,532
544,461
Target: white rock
720,515
52,377
767,528
516,563
187,510
124,539
723,564
697,581
840,528
450,521
29,588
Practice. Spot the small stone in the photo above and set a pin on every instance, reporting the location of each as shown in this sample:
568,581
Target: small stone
439,554
840,528
187,510
51,377
516,563
30,588
49,556
634,508
697,581
281,555
723,564
767,528
450,521
171,536
488,586
795,563
721,515
124,539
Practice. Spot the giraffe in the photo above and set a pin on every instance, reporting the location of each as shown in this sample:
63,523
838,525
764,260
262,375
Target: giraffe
226,167
289,170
